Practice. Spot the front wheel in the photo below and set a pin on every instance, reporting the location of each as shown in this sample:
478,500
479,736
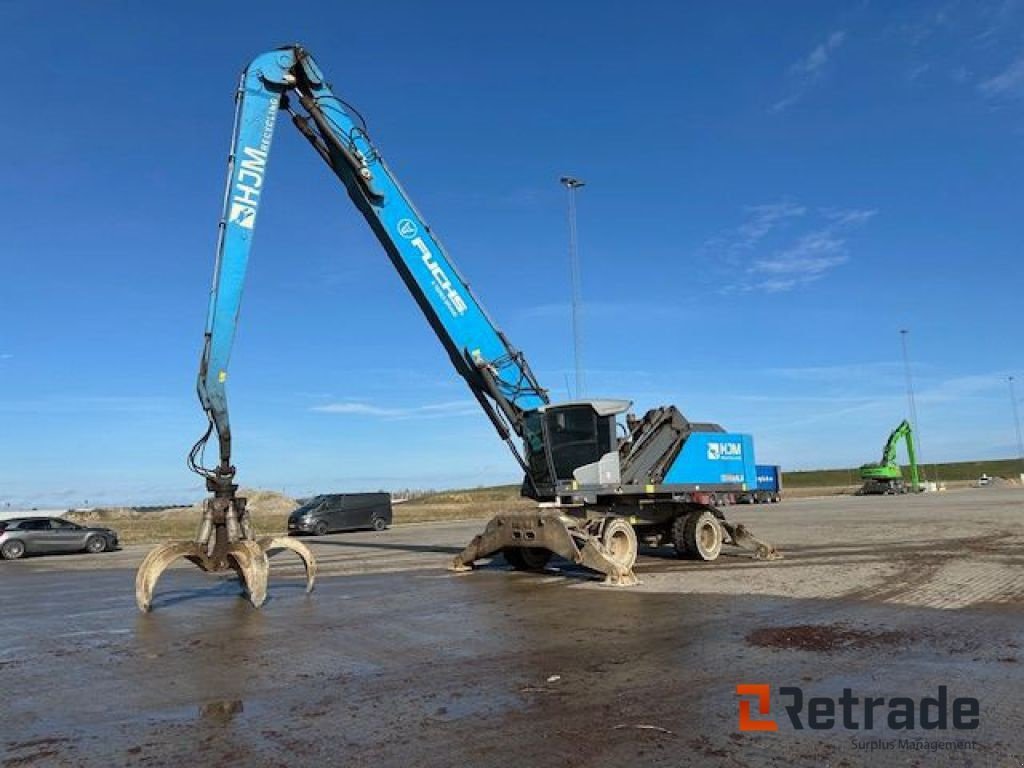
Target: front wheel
95,544
12,550
320,529
619,539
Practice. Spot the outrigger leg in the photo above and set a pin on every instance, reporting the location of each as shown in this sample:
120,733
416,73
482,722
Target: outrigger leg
528,538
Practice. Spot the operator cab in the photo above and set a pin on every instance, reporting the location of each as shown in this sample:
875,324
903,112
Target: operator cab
573,442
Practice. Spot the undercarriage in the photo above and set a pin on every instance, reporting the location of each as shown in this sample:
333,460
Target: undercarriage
605,540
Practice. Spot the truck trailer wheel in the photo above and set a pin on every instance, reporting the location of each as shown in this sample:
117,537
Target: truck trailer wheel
526,558
619,538
697,535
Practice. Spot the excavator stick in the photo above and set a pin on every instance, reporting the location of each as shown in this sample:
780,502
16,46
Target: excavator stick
225,542
549,531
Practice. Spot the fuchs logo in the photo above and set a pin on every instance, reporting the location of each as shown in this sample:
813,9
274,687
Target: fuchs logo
442,283
407,228
720,451
248,183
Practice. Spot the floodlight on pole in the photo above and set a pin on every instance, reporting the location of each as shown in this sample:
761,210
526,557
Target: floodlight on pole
916,436
1016,423
572,184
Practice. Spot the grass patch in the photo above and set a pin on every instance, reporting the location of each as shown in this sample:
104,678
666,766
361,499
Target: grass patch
959,471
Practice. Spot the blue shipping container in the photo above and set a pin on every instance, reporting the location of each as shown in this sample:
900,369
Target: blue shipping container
769,477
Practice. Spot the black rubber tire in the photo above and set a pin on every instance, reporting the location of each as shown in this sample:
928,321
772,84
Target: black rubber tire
94,545
697,535
675,534
12,550
619,538
379,523
526,558
320,529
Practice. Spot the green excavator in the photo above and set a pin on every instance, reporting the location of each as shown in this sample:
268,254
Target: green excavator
886,477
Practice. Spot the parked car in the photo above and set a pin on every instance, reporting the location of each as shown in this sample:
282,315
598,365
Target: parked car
47,535
341,512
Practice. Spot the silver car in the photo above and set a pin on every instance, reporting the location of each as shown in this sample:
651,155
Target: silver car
47,535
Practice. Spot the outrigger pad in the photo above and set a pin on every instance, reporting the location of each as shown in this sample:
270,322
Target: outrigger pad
741,537
247,558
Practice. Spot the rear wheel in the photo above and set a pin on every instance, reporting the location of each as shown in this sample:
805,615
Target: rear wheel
12,550
95,544
320,529
526,558
697,535
619,538
379,524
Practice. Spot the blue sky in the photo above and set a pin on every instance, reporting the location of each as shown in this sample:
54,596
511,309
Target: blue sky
773,191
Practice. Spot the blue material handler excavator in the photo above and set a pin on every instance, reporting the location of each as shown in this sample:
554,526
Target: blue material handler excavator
599,474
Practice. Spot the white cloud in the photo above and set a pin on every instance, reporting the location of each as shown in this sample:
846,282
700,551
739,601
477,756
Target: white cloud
602,310
812,255
72,404
762,219
802,260
860,372
431,410
928,24
914,73
818,58
759,221
1007,84
806,72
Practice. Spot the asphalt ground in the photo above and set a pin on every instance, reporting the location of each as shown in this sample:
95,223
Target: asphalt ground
395,661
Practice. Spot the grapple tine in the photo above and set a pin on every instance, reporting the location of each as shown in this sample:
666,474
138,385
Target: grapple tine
269,543
250,562
157,561
225,542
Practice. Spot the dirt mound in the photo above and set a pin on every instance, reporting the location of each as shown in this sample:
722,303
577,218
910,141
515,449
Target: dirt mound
822,637
268,503
101,514
259,503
